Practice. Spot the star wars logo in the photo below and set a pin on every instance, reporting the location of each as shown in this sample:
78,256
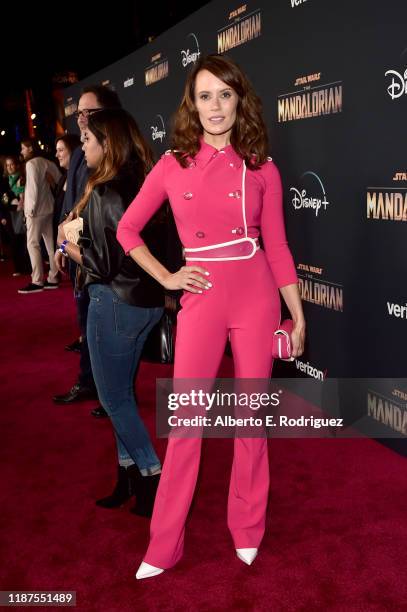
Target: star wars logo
388,203
157,71
317,290
312,102
246,27
400,394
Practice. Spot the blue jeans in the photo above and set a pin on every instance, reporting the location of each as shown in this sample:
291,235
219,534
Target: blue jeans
116,334
85,376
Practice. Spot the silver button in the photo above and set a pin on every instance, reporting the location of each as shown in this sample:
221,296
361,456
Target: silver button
200,234
231,165
187,195
238,230
235,194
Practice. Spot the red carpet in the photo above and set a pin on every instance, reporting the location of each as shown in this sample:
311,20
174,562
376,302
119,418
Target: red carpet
337,532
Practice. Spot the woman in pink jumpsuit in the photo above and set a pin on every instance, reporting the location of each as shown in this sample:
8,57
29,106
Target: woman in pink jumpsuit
225,193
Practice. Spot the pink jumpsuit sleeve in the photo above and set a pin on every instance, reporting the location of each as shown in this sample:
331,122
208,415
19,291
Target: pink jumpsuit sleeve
273,228
148,200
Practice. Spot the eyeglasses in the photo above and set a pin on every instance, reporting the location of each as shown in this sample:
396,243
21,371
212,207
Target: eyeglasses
85,112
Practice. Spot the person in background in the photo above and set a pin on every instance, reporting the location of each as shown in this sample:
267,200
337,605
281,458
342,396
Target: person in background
125,302
41,175
92,99
3,211
65,145
12,214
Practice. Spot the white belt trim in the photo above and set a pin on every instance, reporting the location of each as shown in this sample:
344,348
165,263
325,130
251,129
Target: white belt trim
254,242
244,198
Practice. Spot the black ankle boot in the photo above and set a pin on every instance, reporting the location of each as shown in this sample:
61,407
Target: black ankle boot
122,491
146,488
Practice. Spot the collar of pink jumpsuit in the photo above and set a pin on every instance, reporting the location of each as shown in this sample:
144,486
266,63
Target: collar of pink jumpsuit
207,152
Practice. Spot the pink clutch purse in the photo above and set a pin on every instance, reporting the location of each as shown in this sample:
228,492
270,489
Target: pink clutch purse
282,341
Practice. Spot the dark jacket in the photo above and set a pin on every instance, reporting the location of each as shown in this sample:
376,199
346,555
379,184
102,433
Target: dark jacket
78,174
104,260
59,195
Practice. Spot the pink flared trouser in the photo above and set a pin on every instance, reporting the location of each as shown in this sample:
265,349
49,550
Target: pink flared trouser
243,302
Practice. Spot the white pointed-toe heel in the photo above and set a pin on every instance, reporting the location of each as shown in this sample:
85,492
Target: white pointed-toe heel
147,571
247,555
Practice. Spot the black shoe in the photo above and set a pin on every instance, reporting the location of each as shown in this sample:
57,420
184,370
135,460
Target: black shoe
48,285
145,491
99,412
76,394
74,347
122,491
31,288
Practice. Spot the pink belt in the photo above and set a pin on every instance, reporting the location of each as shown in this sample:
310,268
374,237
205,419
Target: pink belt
244,248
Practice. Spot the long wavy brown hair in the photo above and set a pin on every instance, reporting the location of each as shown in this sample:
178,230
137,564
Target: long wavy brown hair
249,132
125,147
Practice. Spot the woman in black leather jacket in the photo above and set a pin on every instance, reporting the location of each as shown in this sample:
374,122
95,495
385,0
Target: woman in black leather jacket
125,301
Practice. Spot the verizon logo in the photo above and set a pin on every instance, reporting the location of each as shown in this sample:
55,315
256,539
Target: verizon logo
397,310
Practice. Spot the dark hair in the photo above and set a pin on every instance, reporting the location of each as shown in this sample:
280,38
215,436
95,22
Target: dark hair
117,131
31,142
106,97
71,141
249,133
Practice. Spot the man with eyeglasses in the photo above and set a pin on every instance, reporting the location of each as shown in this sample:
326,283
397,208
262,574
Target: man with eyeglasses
92,99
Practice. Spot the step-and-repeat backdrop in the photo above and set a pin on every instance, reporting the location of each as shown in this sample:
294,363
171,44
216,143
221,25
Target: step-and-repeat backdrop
332,75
